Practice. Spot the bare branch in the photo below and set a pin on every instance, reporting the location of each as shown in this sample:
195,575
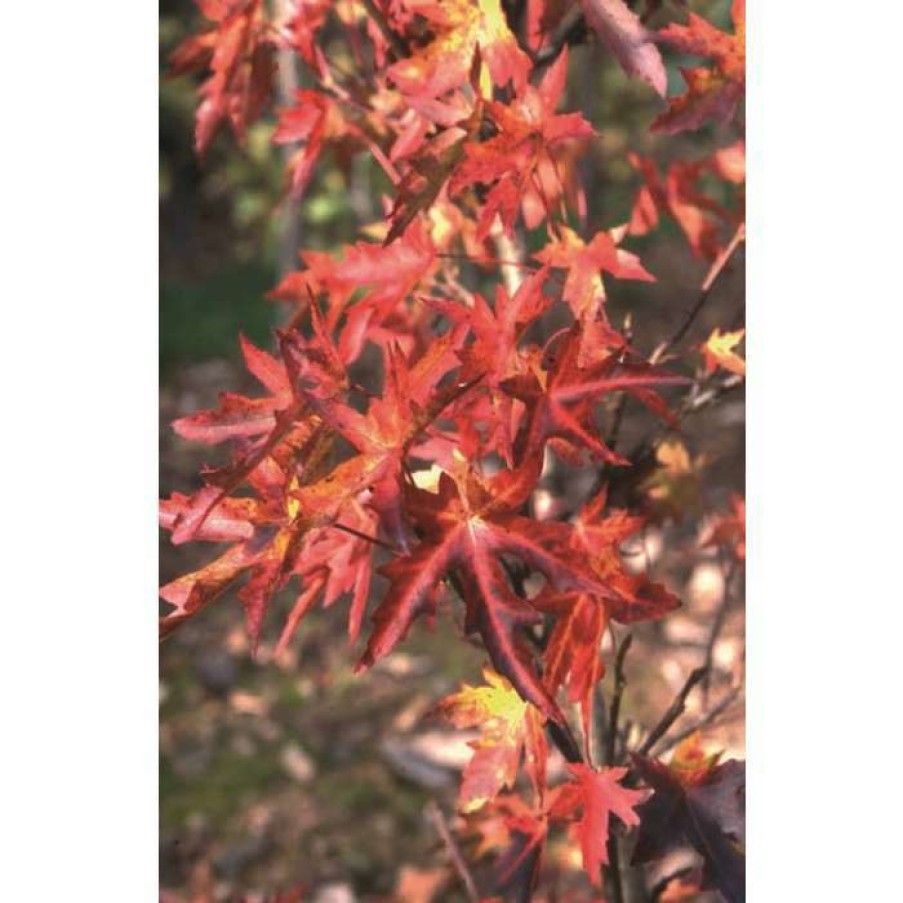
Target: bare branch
614,713
675,710
708,284
438,819
710,717
717,627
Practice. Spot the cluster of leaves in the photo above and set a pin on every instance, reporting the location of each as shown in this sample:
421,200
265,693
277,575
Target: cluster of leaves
416,493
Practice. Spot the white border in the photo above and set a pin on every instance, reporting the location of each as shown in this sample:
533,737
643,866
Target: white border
824,500
79,459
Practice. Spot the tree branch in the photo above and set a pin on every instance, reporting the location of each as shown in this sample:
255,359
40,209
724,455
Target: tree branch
708,284
615,878
710,717
563,737
675,710
438,819
615,710
717,627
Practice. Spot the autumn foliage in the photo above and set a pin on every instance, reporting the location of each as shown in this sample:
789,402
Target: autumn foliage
413,498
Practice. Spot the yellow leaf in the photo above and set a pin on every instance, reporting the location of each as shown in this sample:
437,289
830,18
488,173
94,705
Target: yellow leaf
718,352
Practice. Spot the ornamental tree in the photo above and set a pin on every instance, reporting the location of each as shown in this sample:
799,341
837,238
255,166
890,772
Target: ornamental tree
418,490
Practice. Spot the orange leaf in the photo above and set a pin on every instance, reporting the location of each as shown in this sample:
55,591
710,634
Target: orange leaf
718,352
509,726
594,795
712,94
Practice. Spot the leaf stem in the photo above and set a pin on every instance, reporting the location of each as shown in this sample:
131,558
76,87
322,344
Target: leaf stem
367,537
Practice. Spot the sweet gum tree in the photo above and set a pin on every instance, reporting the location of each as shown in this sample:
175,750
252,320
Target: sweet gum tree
415,496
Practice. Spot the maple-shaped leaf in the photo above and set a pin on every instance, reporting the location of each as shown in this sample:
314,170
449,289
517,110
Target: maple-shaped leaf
304,25
507,824
718,351
273,542
584,265
593,796
573,657
562,400
239,416
391,272
411,402
467,529
675,489
599,536
495,355
315,120
528,133
270,435
712,93
367,286
705,221
460,28
427,176
509,728
265,536
255,426
240,56
628,39
696,803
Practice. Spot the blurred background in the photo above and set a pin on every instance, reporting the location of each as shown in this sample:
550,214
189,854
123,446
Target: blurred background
288,773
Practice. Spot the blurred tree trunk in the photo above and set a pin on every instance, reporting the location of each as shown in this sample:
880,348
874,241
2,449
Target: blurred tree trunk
287,83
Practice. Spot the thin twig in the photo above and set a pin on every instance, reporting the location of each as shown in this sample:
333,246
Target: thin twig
719,708
616,880
438,819
611,440
675,710
620,481
705,397
563,737
614,848
717,627
367,537
708,284
600,722
615,710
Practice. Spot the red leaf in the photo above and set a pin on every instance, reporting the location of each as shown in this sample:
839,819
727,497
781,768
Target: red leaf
509,728
593,796
467,529
696,803
712,94
240,57
628,39
460,27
